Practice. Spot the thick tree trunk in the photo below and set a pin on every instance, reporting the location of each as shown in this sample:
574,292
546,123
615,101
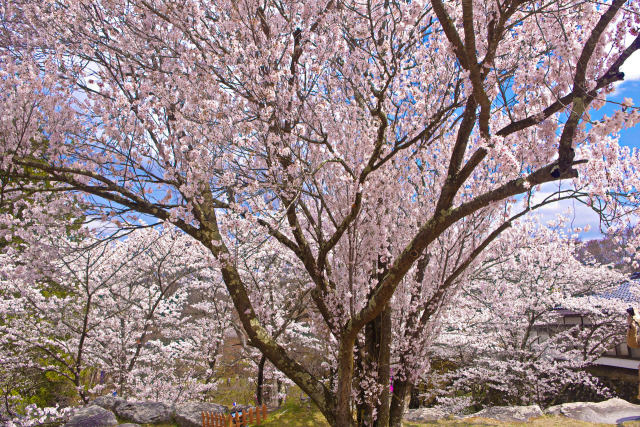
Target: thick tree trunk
361,408
384,367
401,389
376,352
343,416
260,381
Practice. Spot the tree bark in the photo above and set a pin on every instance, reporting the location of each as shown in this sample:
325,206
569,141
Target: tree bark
260,381
279,388
384,367
376,352
343,416
401,389
362,409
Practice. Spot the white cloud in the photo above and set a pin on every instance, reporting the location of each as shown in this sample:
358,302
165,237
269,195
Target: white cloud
577,214
631,67
100,227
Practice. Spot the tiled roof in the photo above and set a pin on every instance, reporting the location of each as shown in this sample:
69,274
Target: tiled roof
623,291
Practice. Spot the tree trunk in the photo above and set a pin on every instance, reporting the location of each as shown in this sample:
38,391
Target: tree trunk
401,389
263,341
361,407
260,381
343,416
376,352
80,390
279,388
384,367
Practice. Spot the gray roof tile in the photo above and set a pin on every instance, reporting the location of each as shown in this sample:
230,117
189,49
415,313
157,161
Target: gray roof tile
623,291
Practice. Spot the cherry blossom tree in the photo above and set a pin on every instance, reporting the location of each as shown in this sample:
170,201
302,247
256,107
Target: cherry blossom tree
168,321
423,299
506,329
360,137
282,297
620,247
48,310
282,294
140,311
23,382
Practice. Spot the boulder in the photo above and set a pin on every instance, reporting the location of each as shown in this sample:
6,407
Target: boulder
612,411
189,414
425,415
129,425
108,402
92,416
509,413
144,412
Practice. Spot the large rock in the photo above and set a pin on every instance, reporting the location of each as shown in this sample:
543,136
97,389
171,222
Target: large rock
144,412
509,413
92,416
612,411
108,402
425,415
189,414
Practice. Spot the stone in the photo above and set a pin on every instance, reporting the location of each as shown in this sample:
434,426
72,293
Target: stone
108,402
424,415
144,412
612,411
92,416
129,425
509,413
189,414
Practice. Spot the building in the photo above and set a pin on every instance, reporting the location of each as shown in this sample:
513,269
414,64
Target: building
621,356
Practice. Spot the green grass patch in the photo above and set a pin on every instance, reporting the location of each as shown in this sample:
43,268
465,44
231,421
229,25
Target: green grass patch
296,414
241,391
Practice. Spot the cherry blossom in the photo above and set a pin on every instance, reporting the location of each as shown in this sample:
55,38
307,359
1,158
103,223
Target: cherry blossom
372,142
507,332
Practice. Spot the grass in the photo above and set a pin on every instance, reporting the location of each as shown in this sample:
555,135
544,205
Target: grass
296,414
553,421
299,414
240,390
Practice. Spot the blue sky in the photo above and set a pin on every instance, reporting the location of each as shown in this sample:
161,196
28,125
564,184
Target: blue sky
580,215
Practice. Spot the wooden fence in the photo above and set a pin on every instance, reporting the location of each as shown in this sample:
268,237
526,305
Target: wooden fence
250,417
